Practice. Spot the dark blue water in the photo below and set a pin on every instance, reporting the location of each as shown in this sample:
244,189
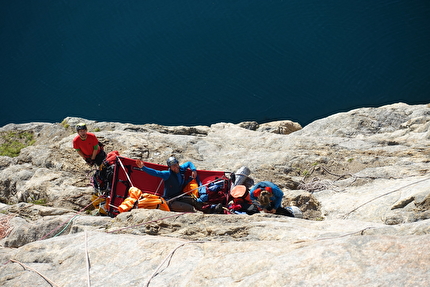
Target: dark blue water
195,62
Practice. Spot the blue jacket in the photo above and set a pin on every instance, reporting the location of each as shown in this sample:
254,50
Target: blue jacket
277,194
173,182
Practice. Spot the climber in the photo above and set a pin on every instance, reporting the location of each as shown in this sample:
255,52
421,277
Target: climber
88,146
174,182
267,196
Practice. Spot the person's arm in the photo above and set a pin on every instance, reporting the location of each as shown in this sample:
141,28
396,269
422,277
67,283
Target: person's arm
252,196
95,151
191,166
164,174
278,194
81,154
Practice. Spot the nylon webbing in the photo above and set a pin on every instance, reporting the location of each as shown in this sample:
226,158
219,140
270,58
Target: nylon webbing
129,179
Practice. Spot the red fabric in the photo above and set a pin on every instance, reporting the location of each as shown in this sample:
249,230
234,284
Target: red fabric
86,146
111,157
258,191
219,196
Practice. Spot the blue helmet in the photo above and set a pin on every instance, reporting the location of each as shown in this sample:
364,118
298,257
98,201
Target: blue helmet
172,160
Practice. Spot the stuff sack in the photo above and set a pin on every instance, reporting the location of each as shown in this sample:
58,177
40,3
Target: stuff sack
192,188
240,198
137,199
128,203
111,158
240,195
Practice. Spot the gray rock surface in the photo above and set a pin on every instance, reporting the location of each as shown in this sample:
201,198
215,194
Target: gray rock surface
361,179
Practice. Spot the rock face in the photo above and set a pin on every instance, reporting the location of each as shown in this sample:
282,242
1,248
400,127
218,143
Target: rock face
361,179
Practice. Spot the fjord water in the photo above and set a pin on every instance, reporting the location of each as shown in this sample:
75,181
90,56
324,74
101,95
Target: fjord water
201,62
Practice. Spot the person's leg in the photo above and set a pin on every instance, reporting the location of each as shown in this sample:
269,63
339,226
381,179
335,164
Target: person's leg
191,201
181,206
100,157
252,209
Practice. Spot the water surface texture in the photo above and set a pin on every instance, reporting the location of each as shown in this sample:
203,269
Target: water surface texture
200,62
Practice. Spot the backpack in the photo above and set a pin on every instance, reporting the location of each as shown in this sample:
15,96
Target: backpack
241,199
217,190
240,195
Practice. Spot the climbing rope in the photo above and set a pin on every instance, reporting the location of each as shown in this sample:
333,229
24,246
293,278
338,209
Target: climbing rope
67,225
315,185
168,257
68,220
347,214
40,274
123,168
87,260
158,187
5,227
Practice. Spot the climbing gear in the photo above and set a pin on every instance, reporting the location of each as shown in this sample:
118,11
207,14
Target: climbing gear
127,174
125,171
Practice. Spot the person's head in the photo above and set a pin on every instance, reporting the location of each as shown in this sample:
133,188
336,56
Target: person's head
81,129
173,164
263,195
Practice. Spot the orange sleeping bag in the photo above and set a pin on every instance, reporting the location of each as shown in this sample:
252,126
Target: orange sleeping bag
144,200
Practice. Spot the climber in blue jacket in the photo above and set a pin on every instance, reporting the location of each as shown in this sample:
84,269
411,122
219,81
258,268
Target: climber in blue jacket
267,197
174,182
